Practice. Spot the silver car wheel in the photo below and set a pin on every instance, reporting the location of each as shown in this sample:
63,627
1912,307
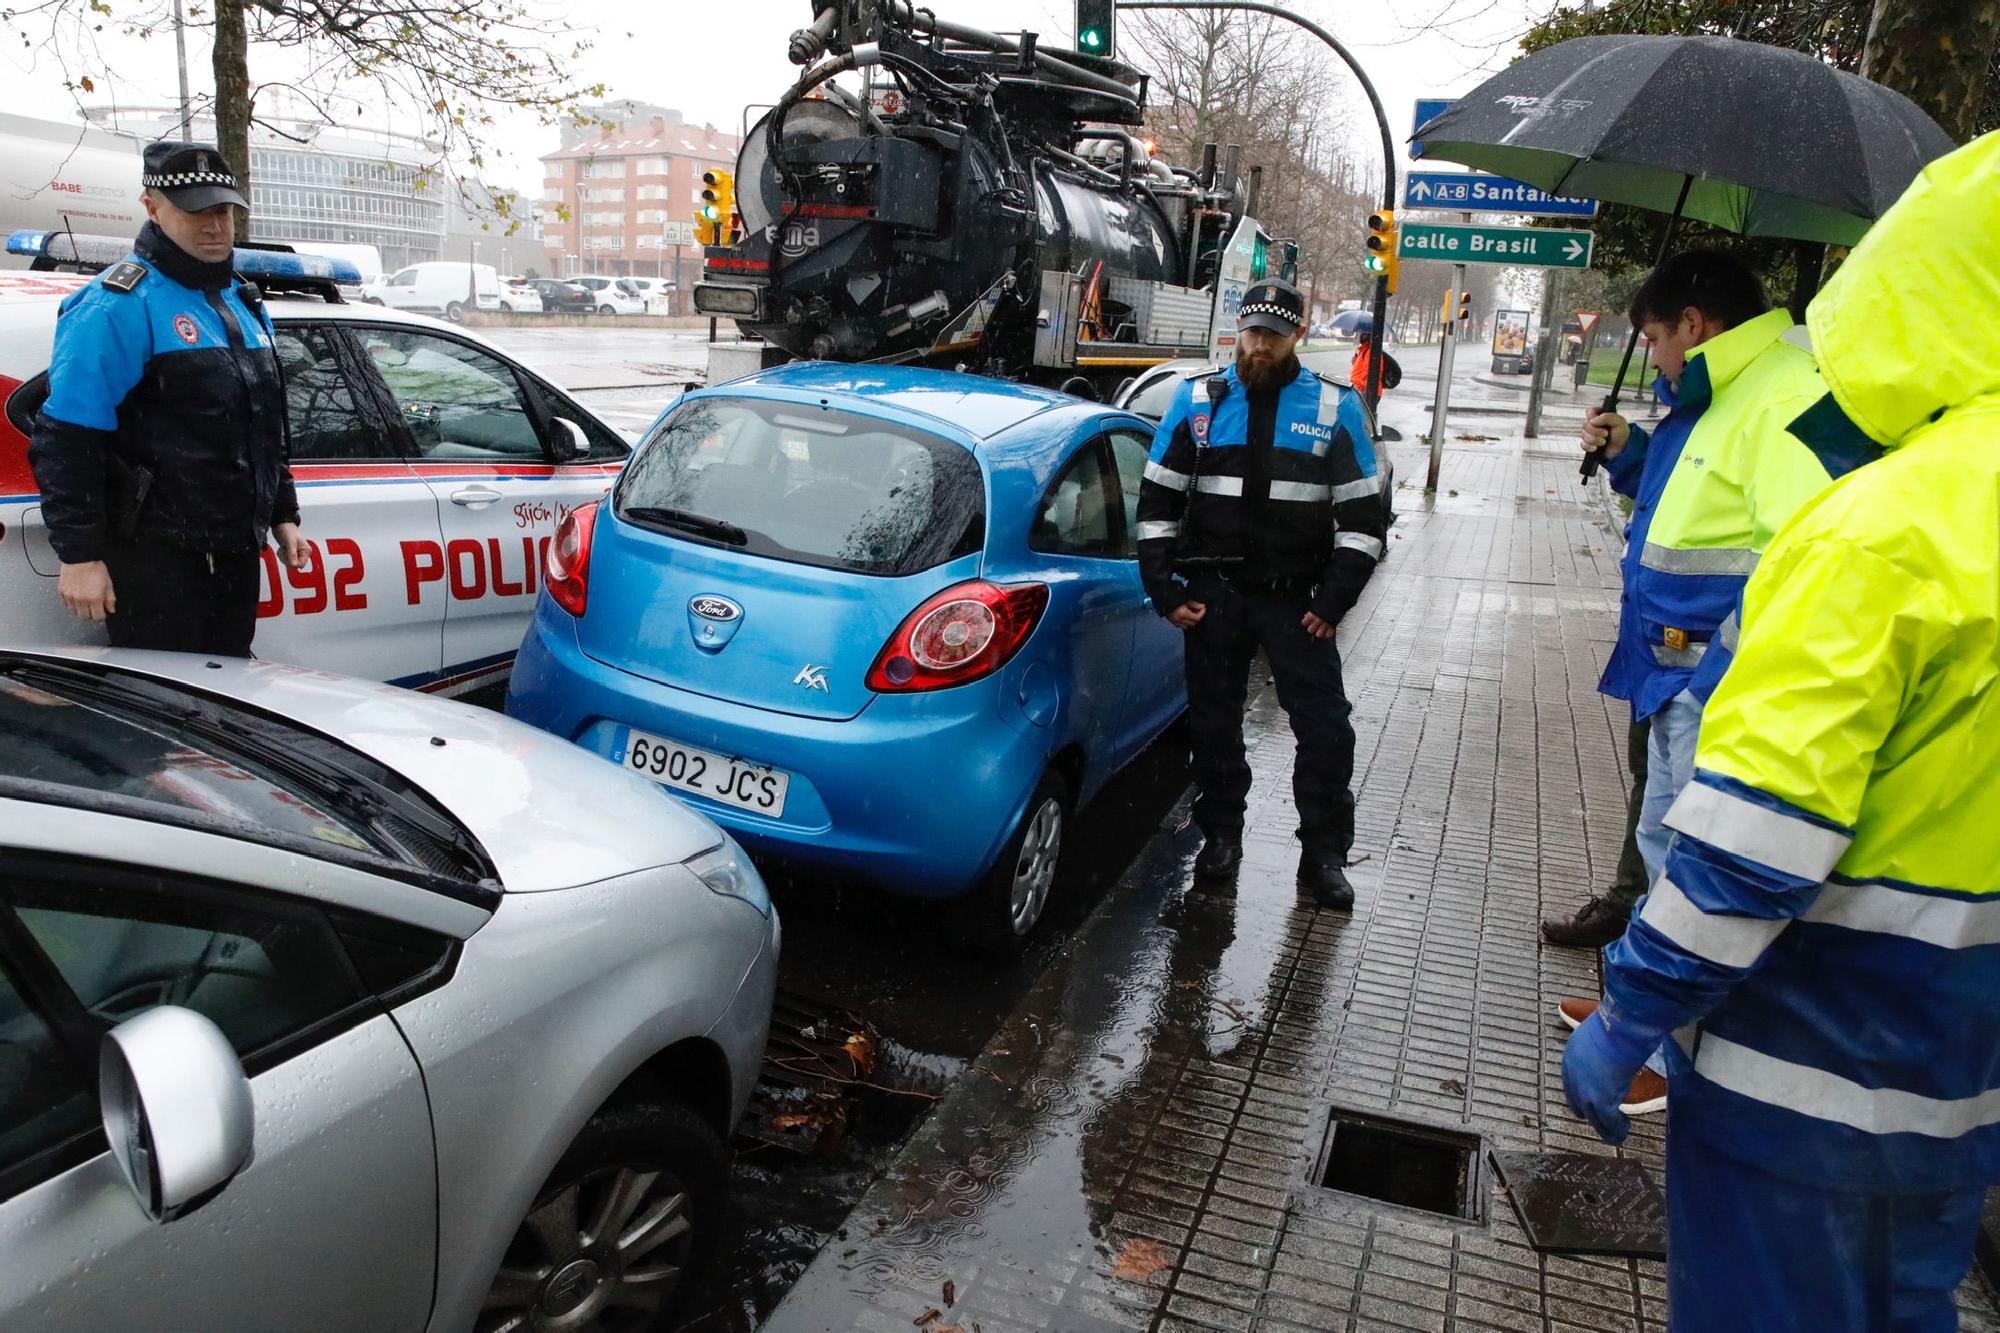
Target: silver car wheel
598,1261
1035,868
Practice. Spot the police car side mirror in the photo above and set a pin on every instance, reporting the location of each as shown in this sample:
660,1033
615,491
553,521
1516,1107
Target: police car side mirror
571,443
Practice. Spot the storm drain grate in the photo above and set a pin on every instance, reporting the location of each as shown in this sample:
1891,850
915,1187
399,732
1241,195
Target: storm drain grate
1399,1162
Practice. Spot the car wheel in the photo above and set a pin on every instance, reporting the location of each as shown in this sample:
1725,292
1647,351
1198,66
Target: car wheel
606,310
621,1232
506,309
1003,909
454,311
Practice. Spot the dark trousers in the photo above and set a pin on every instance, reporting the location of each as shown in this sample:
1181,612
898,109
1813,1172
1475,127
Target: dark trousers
1307,670
1631,884
1749,1252
183,601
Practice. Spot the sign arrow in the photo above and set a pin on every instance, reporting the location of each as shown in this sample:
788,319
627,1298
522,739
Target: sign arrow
1574,250
1420,189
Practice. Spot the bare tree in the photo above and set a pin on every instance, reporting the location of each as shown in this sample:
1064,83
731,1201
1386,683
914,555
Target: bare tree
452,63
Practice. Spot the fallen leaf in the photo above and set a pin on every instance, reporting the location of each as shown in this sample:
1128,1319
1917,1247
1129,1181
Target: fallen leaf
950,1293
1452,1085
794,1119
930,1316
1138,1260
860,1048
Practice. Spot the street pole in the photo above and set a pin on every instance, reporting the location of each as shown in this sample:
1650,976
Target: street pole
1545,359
1447,346
1374,391
181,55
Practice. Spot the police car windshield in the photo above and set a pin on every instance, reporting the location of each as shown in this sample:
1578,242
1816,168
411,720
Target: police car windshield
810,485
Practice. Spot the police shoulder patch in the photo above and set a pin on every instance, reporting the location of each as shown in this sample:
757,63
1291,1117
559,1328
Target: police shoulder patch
125,275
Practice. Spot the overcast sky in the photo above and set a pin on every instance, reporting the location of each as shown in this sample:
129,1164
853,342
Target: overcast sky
710,59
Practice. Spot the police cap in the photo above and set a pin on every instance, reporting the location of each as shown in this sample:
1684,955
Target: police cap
193,176
1274,304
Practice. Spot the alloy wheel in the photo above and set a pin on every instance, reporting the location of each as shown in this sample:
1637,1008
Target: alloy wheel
602,1254
1035,867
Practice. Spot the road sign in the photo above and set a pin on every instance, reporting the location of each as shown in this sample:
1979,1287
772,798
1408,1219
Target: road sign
1586,320
677,233
1428,109
1525,247
1474,192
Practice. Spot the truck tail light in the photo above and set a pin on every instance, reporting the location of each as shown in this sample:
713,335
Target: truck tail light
968,631
567,570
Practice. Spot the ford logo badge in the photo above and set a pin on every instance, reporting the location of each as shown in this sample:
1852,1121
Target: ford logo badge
710,607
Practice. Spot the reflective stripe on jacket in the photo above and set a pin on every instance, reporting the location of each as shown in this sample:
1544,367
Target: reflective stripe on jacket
1710,487
1826,937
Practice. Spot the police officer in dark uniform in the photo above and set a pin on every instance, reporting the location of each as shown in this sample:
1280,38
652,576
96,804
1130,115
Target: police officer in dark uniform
1260,519
160,451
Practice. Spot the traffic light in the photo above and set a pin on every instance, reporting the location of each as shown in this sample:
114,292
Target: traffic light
718,202
1382,259
1465,312
1096,27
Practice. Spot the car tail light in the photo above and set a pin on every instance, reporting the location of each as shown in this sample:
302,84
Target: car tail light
967,631
567,570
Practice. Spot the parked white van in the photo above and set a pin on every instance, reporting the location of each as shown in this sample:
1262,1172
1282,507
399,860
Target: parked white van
445,287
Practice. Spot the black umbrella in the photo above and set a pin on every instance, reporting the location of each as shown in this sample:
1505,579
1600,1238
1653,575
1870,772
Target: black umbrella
1752,138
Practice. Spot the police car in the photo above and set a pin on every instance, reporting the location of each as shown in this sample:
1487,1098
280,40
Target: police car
432,470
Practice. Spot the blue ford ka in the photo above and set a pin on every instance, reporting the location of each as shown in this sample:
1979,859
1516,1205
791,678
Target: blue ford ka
874,620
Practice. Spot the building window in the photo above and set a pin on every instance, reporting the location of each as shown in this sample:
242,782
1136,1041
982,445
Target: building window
649,242
604,219
602,194
614,169
650,166
652,215
652,192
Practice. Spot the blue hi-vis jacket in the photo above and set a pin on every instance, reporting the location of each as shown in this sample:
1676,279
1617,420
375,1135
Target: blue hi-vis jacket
1284,479
1710,488
165,419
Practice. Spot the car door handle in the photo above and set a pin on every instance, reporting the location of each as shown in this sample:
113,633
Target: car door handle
474,496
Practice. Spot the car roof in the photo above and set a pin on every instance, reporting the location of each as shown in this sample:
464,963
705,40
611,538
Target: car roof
972,405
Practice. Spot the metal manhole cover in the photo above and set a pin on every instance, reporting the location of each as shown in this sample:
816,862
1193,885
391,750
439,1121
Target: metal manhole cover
1574,1203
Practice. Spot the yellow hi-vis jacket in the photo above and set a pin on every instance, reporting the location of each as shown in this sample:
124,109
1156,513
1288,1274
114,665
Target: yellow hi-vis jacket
1826,935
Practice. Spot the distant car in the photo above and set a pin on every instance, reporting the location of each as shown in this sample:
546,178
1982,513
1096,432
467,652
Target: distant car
873,620
518,296
442,1020
1520,363
609,297
655,292
1151,393
563,297
437,287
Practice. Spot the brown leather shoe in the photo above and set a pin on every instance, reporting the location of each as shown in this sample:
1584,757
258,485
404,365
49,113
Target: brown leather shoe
1595,925
1647,1094
1573,1010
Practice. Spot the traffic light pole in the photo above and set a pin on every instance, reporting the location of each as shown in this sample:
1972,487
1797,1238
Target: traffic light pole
1381,312
1448,320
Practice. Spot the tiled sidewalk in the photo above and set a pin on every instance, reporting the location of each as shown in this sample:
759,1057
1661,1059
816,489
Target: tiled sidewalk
1132,1149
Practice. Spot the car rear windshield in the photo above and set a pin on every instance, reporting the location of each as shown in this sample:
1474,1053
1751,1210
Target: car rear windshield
807,484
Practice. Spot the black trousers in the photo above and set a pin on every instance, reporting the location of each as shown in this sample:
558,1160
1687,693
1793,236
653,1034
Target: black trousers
1307,671
183,601
1630,884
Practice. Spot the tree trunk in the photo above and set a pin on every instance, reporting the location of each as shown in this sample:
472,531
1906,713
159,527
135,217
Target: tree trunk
232,97
1937,54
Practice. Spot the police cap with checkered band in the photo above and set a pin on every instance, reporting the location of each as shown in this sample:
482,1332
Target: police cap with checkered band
192,176
1274,304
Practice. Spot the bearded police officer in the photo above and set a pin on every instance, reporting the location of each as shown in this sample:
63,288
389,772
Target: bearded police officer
160,452
1260,519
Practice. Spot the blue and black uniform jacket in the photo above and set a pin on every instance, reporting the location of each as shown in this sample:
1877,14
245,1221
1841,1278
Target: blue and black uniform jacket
165,419
1283,478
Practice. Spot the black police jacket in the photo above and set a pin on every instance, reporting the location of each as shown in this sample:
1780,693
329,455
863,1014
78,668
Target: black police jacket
1283,481
165,419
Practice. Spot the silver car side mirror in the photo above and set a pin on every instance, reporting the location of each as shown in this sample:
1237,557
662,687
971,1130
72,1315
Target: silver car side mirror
176,1107
572,443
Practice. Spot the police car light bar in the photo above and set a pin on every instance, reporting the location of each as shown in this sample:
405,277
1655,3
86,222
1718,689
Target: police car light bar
266,267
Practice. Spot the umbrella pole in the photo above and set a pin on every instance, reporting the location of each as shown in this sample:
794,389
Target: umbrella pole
1593,457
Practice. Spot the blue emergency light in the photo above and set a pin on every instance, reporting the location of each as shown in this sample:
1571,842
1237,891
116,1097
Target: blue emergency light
264,266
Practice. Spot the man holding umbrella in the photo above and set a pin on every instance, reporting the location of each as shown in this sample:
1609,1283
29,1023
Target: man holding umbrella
1824,947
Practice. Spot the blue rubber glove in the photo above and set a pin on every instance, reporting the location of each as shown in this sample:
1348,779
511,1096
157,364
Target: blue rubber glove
1599,1064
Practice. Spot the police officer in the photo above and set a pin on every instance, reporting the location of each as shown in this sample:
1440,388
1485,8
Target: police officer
160,452
1260,519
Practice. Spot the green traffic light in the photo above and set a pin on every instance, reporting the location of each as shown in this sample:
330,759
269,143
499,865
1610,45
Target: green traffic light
1091,39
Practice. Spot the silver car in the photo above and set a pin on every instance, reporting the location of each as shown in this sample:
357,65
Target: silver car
328,1005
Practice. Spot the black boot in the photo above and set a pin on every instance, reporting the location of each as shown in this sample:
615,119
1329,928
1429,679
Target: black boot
1324,876
1599,922
1220,854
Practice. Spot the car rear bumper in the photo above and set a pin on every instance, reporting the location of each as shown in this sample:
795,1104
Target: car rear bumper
917,794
